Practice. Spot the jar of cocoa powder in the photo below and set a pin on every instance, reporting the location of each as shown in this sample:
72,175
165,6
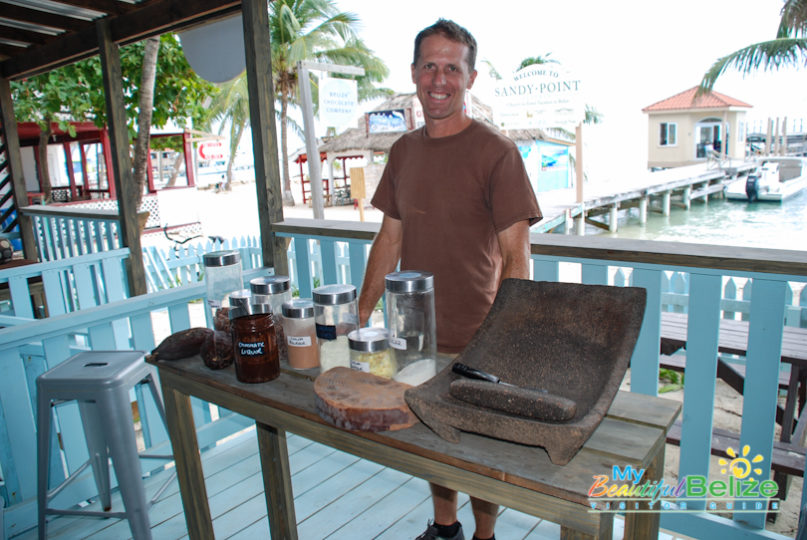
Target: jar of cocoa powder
301,333
255,350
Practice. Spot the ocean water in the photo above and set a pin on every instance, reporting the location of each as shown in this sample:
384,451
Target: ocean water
723,222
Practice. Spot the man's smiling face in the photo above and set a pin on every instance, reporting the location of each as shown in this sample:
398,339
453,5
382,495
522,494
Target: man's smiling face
441,76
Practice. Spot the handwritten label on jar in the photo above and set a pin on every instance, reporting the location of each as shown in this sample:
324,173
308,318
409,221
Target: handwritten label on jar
251,349
397,343
326,331
360,366
299,341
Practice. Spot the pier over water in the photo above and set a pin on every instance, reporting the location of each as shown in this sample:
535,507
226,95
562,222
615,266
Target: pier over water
652,192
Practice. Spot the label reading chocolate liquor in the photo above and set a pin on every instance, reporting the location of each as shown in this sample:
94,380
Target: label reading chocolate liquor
251,349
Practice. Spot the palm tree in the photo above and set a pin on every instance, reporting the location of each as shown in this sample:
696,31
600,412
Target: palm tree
314,30
231,106
789,48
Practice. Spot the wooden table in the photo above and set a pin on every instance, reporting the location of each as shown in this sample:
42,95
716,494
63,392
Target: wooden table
517,476
733,339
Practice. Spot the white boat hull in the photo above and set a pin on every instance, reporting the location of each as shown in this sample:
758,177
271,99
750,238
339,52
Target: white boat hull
794,169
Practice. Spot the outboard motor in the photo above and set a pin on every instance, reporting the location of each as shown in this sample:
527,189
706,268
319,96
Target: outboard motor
752,187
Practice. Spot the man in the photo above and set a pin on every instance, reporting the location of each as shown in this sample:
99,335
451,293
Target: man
457,202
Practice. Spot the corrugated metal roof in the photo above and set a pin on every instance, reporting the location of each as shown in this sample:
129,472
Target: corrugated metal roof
687,100
38,35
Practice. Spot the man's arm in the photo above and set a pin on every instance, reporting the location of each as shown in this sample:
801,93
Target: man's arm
514,243
384,257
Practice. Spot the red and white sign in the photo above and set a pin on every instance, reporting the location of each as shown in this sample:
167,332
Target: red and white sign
211,150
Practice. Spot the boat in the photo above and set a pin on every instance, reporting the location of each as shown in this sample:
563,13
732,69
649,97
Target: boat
776,179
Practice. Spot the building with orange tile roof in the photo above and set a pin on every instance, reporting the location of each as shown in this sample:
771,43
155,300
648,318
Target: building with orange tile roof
686,130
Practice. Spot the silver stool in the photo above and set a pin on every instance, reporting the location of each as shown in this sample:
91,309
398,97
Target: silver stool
100,381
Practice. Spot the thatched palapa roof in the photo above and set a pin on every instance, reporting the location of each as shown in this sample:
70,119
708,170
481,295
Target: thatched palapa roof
357,140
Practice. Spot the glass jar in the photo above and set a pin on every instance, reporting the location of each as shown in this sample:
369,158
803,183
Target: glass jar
411,322
255,353
273,290
222,277
301,333
369,352
241,298
336,314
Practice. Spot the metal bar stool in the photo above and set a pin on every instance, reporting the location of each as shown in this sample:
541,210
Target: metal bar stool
100,381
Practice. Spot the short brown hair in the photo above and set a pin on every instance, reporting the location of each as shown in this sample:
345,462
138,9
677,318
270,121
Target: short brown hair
449,30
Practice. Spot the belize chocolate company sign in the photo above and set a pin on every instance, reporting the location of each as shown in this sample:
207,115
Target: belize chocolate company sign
539,96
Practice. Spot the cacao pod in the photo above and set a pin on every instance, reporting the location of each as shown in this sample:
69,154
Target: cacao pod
181,344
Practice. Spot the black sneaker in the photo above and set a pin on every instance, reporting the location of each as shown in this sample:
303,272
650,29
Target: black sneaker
431,534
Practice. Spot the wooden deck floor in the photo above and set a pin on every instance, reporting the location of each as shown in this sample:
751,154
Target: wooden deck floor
336,496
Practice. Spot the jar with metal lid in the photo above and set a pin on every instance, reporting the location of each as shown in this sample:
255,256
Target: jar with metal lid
273,290
222,277
336,314
369,352
411,323
255,350
301,333
240,298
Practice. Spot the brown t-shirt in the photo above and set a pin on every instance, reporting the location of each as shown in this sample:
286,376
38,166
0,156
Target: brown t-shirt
453,195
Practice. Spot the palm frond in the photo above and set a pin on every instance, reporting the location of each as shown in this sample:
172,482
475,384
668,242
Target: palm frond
768,55
794,19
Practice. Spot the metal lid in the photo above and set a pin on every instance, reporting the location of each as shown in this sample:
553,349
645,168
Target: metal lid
409,281
371,339
221,258
331,295
299,308
249,309
269,284
240,298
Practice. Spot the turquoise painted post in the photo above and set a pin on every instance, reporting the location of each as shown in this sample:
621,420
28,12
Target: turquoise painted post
762,381
303,266
358,262
327,249
700,373
20,454
545,269
594,274
644,362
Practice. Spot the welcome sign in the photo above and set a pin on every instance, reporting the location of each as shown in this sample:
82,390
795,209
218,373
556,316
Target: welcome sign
539,97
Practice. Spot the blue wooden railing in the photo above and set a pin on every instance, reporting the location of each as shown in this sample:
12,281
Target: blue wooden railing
63,232
27,350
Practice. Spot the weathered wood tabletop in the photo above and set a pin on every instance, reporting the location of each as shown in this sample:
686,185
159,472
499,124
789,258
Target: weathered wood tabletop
514,475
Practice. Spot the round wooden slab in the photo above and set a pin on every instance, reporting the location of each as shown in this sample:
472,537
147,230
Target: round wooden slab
356,400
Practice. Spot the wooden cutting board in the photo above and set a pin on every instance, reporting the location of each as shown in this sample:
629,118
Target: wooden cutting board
355,400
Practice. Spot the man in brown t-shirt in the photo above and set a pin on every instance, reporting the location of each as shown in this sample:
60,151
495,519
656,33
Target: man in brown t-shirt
457,202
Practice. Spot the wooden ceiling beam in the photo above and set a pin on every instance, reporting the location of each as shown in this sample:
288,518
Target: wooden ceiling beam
35,16
7,51
110,7
153,17
24,36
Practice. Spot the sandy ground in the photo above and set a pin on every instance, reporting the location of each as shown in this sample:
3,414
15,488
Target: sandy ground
727,415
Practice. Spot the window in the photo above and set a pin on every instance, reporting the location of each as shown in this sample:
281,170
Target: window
668,134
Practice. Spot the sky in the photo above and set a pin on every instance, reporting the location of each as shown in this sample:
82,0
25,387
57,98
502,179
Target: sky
628,54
